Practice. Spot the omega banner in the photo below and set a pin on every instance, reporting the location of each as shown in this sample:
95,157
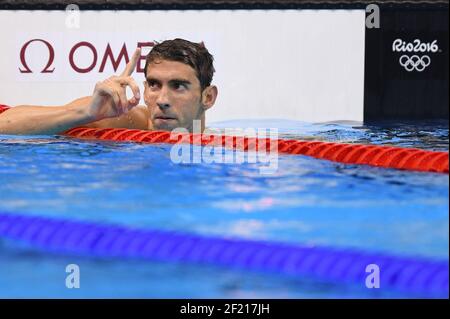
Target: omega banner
406,68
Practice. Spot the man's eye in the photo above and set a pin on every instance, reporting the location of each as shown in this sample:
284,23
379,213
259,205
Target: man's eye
179,86
152,84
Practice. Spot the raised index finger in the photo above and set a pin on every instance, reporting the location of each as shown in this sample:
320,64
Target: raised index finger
132,64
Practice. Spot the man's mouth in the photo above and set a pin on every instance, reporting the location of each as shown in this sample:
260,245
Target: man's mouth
164,120
165,117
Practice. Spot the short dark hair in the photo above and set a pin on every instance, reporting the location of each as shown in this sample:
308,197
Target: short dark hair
194,54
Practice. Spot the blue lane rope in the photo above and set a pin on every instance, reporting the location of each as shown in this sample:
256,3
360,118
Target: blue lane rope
427,278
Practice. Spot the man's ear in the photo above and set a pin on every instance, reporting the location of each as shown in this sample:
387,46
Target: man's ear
209,96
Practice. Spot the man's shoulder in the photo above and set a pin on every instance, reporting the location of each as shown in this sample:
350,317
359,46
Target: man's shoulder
140,115
140,111
136,118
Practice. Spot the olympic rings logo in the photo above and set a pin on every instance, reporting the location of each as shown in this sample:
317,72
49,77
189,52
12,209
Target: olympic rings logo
415,62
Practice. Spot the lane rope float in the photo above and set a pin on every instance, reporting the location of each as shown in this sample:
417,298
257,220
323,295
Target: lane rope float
342,266
374,155
411,159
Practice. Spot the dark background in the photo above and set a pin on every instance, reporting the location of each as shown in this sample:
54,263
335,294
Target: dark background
390,92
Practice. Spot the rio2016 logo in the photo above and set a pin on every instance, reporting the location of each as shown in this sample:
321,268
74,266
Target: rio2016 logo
418,61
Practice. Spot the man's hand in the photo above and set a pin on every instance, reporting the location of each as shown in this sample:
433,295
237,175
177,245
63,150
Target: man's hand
110,99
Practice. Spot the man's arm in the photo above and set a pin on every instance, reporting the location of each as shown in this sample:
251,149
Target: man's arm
50,120
29,119
108,101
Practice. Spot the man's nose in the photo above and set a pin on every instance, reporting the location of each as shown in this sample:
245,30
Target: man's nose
163,106
163,99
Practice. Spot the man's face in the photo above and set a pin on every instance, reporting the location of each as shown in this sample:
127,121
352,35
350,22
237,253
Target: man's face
172,95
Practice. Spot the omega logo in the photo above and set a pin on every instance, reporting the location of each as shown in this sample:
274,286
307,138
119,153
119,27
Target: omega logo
107,55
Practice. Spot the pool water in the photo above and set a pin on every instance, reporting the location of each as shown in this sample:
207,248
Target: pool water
306,201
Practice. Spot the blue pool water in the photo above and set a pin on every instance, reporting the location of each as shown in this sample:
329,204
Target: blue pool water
306,201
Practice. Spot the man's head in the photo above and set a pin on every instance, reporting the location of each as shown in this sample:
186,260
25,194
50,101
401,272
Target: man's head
178,86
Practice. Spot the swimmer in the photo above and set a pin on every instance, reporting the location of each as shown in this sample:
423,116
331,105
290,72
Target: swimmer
177,91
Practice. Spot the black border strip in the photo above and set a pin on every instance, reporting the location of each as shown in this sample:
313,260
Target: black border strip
278,307
223,5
